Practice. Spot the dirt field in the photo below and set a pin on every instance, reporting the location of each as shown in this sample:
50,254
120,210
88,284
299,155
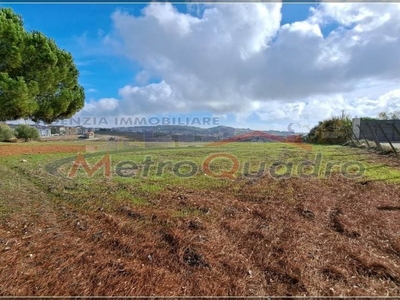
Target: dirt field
289,237
13,150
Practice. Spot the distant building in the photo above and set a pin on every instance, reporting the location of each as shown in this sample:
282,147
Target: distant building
72,130
89,135
62,130
82,130
44,132
66,130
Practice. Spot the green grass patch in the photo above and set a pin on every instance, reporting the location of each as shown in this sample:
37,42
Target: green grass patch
158,169
126,196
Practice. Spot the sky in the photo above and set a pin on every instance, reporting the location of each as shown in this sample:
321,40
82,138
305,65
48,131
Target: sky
250,65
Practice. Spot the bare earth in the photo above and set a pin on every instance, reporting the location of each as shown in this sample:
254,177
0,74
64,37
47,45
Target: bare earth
10,150
330,237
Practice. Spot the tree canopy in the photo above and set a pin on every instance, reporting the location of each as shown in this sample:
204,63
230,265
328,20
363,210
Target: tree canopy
6,133
26,132
38,80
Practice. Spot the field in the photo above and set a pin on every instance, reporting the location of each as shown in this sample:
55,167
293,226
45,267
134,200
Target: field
238,219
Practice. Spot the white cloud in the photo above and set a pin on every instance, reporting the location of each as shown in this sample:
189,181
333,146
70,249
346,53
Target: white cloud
101,107
237,58
143,99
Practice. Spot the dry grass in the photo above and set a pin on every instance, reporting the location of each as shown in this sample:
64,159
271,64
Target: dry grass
296,236
333,237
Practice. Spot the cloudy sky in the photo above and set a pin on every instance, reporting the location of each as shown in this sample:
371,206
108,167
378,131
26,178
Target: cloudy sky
253,65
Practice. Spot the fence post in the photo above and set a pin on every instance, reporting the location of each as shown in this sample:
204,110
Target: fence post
384,133
374,135
362,133
358,141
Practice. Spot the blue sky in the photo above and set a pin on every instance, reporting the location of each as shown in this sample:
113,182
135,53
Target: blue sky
111,52
74,26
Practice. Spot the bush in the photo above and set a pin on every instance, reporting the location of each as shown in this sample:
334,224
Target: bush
27,132
333,131
6,133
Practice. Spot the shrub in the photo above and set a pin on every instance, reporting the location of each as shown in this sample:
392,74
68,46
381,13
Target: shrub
331,131
6,133
26,132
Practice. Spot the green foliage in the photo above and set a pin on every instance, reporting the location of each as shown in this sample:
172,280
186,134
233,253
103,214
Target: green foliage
37,79
368,119
333,131
6,133
26,132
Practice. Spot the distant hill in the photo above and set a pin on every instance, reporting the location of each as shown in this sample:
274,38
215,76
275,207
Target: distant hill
197,133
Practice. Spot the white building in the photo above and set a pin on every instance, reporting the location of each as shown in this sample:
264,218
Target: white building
43,131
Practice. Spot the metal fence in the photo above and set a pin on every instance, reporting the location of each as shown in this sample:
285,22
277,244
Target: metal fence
378,131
